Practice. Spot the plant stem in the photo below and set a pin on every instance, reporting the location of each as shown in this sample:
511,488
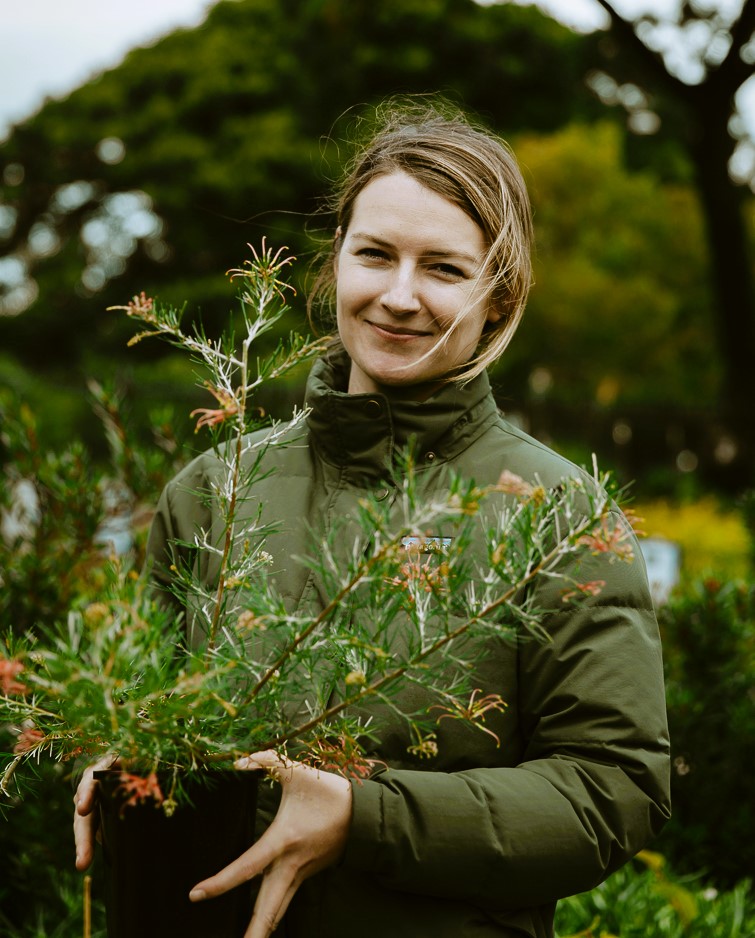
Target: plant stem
87,907
229,527
321,617
441,642
8,774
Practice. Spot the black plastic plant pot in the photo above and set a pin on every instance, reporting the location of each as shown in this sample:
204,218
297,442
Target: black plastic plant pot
151,861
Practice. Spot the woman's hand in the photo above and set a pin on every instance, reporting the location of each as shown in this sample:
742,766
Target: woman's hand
308,833
84,815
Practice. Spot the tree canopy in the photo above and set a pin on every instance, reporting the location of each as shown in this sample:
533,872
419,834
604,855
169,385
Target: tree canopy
167,165
155,175
679,76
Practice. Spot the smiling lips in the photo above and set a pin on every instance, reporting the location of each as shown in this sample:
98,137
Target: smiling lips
397,332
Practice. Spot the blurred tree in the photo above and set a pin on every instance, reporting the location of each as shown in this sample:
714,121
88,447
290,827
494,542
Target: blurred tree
691,69
154,175
620,309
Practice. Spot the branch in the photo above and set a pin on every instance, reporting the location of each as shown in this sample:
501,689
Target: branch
733,71
385,680
726,77
625,32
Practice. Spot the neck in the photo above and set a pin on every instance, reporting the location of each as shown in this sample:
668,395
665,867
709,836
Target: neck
359,383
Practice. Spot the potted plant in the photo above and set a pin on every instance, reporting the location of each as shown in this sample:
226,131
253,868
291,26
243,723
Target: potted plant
119,676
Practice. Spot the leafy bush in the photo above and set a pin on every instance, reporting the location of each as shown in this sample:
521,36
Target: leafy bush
712,538
747,507
644,899
708,629
54,544
40,892
52,557
78,690
59,510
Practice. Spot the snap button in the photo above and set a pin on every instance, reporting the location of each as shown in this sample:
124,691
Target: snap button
382,494
373,408
429,457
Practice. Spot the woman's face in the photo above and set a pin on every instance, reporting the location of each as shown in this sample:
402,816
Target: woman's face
405,269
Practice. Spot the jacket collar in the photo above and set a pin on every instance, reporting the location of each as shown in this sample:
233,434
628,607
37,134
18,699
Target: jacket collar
363,433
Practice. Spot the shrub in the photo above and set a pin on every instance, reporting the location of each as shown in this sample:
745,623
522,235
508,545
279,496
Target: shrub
708,633
712,539
54,505
59,510
644,899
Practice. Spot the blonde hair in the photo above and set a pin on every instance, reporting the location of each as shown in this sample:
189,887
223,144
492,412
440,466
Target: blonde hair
440,147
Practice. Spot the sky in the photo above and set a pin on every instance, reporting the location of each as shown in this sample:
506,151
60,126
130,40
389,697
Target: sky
50,47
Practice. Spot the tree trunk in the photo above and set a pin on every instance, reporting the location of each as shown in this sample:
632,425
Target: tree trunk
710,146
731,266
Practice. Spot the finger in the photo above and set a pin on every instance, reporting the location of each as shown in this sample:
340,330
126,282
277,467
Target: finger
83,835
262,853
85,822
275,895
279,766
250,864
85,797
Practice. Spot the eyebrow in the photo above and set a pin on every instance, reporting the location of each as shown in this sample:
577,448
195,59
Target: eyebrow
458,255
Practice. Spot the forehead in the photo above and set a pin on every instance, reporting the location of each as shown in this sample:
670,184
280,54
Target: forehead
398,206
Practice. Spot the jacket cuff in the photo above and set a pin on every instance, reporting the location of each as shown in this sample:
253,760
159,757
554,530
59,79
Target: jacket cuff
366,828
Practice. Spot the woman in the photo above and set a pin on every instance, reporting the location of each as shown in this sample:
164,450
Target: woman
430,271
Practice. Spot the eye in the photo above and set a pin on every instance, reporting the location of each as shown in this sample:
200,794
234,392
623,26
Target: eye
449,271
372,254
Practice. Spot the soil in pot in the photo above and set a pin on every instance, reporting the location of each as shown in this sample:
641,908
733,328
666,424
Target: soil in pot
151,861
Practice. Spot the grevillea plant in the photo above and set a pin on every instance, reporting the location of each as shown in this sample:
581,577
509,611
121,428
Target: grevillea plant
120,677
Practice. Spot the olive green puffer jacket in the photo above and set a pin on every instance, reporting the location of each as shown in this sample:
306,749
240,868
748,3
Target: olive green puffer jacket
482,840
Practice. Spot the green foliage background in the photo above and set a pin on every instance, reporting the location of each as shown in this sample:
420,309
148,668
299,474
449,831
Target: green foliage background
155,175
225,129
57,563
225,133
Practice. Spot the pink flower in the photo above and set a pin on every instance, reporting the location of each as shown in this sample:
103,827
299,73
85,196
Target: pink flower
609,540
9,670
512,484
138,789
426,748
342,756
73,754
264,269
140,305
635,521
592,588
28,739
209,417
474,712
426,576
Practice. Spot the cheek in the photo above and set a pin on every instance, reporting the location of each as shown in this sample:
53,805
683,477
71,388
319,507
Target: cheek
467,336
446,308
354,288
348,301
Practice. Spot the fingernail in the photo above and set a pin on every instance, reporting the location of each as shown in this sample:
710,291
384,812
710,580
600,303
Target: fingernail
242,763
196,895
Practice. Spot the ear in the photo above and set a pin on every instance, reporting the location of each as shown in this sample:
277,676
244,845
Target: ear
494,315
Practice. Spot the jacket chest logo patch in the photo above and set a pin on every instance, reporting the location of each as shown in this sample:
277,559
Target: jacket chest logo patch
429,544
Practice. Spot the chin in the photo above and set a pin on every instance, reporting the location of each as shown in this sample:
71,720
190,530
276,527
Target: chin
395,381
396,376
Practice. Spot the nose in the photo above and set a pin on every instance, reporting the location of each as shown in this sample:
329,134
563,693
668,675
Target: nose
400,295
